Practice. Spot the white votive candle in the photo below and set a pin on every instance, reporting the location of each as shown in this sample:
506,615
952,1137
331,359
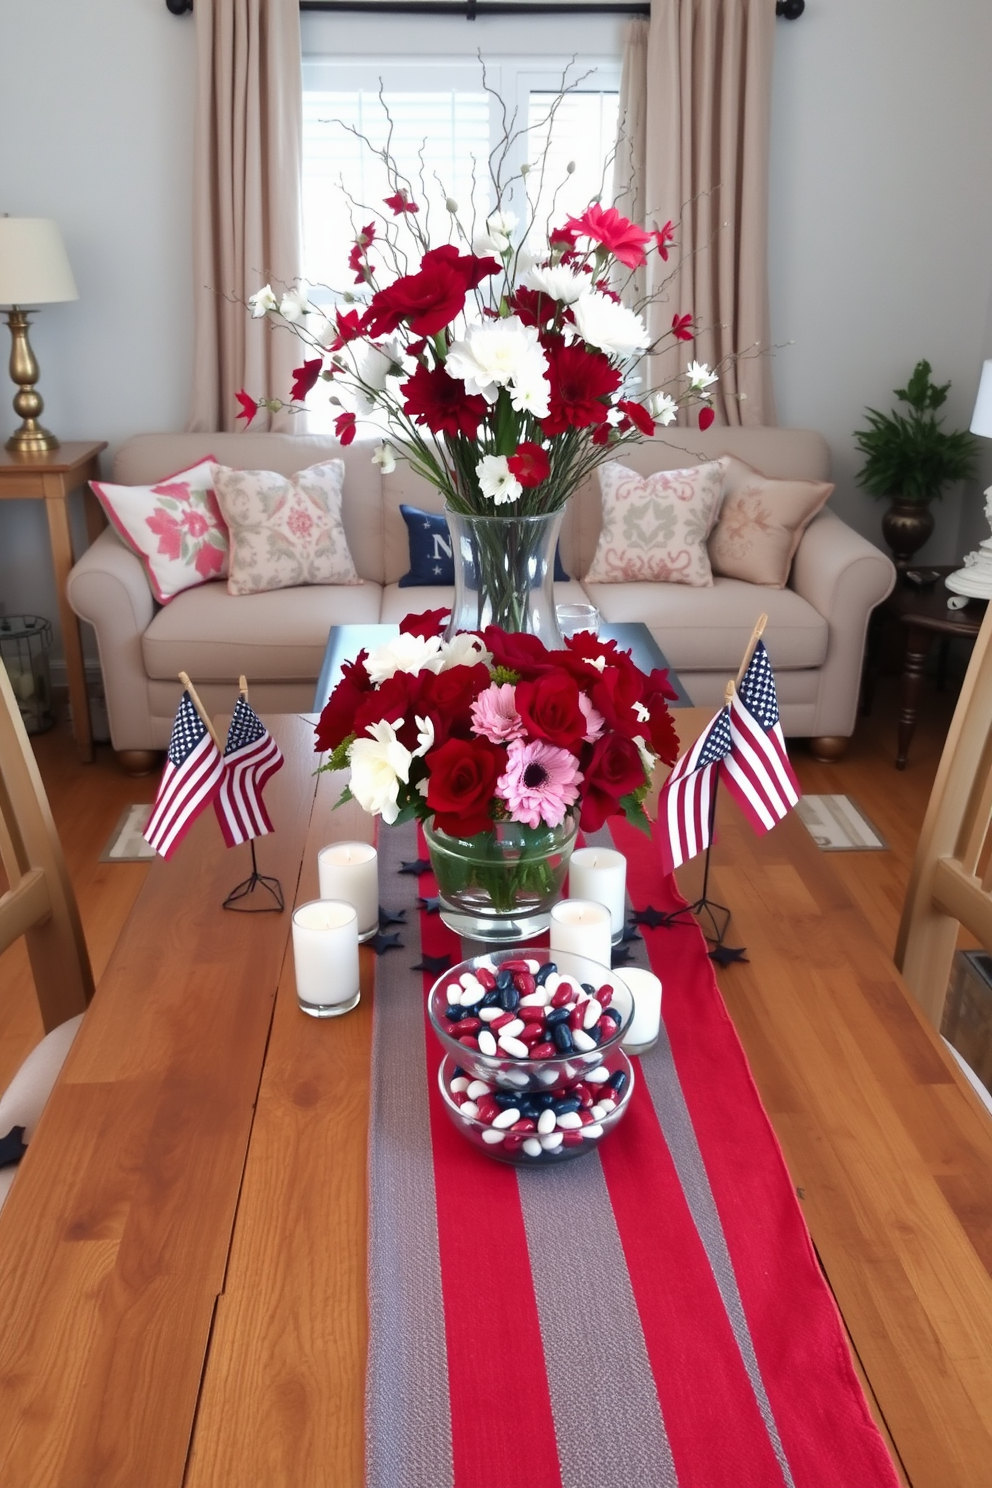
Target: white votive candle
350,871
600,874
325,952
645,1025
580,926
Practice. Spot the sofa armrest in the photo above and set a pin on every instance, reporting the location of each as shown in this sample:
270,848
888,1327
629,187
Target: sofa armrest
843,576
108,588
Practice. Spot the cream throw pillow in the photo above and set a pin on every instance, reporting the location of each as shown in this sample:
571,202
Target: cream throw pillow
284,531
761,523
656,526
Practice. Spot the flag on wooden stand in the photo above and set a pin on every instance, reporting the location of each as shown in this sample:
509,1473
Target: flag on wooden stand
757,771
251,757
190,781
685,804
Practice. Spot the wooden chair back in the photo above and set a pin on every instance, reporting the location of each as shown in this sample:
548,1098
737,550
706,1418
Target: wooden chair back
951,880
39,902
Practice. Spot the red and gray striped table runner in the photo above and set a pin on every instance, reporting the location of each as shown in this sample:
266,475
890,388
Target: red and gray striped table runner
649,1316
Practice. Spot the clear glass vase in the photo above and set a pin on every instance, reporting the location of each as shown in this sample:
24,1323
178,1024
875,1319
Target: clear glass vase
504,573
499,887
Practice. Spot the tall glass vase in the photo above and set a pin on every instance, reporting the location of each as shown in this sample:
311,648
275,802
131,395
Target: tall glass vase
504,572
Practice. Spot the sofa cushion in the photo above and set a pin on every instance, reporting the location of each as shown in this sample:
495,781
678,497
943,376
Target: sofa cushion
278,636
761,523
707,629
285,530
174,526
656,526
431,559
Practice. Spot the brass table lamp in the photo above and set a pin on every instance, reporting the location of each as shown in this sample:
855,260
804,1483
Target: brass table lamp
34,270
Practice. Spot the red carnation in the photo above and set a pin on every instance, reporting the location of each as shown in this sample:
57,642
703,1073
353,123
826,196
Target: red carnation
249,407
624,239
441,402
706,417
563,237
431,298
637,414
579,380
533,308
337,720
304,378
344,427
400,203
462,783
530,465
682,327
428,623
663,237
614,770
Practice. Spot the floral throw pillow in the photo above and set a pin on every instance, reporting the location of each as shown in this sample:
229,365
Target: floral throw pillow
761,523
175,528
285,531
655,526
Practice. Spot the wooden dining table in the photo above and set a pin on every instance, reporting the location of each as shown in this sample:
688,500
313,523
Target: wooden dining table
183,1254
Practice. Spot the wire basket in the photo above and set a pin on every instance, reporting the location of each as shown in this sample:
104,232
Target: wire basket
25,641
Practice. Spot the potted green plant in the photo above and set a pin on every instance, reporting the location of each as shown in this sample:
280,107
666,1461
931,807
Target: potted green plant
910,458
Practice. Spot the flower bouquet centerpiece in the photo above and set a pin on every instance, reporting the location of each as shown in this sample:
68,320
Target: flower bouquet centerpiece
503,749
502,364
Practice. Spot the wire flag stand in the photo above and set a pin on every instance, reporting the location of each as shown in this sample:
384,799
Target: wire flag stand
260,884
706,910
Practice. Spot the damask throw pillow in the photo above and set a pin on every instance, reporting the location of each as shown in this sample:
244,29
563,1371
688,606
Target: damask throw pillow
761,523
175,528
285,531
655,526
431,558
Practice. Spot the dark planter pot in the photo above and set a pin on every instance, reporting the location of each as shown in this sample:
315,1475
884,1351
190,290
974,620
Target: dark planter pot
906,526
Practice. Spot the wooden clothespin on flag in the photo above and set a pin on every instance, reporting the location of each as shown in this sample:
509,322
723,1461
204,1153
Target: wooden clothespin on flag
251,757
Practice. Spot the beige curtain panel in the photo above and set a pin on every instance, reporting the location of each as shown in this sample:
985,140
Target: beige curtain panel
695,103
246,203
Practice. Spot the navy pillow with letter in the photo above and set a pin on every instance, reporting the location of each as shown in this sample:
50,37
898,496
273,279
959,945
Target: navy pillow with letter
431,561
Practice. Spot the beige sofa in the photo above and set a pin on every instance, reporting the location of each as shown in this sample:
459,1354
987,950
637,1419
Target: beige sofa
816,626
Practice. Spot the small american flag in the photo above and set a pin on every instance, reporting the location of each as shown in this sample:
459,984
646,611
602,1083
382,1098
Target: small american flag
191,778
685,803
251,756
758,773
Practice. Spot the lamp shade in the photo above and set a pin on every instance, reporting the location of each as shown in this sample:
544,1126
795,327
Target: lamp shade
34,269
981,419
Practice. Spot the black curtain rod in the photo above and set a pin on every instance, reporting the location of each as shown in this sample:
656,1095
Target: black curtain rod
790,10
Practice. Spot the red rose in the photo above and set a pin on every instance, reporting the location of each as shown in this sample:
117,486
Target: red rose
441,402
448,697
518,652
614,770
461,785
580,381
429,623
431,298
395,700
549,708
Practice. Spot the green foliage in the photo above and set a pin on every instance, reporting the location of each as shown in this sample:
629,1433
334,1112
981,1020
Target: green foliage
911,456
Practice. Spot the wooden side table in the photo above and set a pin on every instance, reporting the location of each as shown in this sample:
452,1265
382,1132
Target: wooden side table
52,477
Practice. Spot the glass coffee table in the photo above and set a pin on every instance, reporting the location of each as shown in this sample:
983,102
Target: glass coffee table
345,642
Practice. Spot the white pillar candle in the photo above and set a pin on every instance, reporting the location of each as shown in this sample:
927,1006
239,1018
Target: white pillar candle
600,874
645,1025
325,952
582,927
350,871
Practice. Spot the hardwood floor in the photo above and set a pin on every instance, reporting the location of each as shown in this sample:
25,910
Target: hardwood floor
87,801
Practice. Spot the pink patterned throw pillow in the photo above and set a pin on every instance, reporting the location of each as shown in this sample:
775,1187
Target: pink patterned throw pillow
761,523
285,531
175,528
655,526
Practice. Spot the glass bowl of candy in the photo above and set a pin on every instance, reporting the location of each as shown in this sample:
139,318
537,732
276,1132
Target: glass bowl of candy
534,1128
529,1022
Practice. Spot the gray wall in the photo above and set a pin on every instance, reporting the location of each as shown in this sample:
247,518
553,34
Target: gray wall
881,224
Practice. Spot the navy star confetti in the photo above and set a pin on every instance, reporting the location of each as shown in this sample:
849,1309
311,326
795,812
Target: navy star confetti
382,943
12,1148
431,903
725,955
417,867
433,964
392,916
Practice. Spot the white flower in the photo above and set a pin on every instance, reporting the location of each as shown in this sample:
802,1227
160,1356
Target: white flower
408,653
464,649
648,757
372,364
262,300
663,408
385,458
532,396
700,377
611,327
640,711
378,765
425,735
496,238
294,305
496,354
495,480
559,282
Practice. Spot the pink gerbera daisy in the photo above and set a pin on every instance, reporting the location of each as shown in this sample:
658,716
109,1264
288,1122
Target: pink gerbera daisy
495,716
540,783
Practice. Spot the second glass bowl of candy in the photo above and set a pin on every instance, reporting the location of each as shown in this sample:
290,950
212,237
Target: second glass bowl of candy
529,1021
